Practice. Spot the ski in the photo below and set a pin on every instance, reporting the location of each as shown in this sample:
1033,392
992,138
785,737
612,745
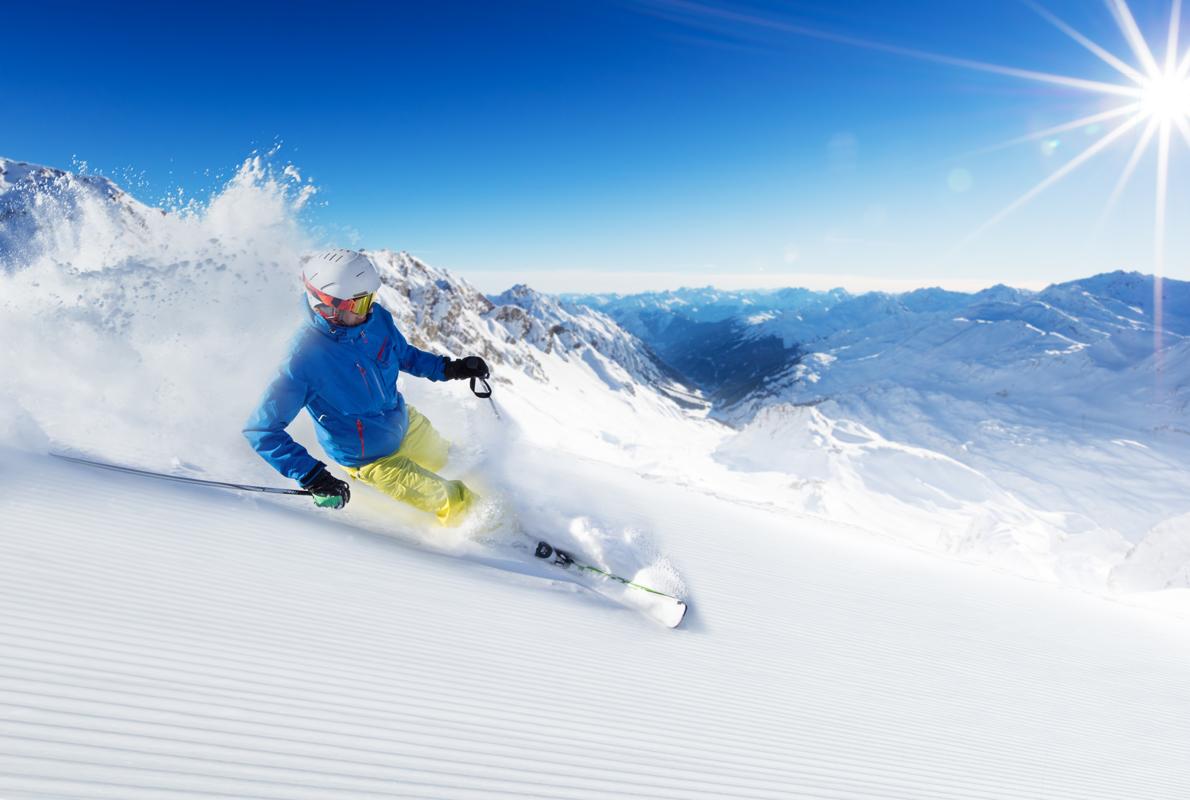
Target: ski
659,606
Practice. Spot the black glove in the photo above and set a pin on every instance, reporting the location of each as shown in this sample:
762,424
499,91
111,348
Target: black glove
469,367
327,490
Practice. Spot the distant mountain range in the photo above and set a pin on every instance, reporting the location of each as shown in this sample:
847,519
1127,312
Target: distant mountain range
1075,397
748,349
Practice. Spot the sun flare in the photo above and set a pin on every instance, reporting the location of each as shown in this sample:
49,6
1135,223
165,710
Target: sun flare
1154,113
1166,97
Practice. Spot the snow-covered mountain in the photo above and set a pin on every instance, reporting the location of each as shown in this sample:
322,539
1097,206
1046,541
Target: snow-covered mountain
517,328
1041,422
1115,313
1093,345
708,336
33,198
1075,399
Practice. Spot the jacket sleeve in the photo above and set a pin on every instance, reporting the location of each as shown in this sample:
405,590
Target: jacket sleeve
265,429
419,362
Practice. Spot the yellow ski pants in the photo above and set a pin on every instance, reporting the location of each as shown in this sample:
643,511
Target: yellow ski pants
410,474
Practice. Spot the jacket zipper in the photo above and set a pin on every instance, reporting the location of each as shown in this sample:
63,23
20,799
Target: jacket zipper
375,378
363,376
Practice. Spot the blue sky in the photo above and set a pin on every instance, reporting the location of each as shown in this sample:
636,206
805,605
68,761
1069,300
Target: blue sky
619,144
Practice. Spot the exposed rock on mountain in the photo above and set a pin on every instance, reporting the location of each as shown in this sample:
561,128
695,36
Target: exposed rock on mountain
517,327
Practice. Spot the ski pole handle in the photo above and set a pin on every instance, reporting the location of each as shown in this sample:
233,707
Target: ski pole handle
484,393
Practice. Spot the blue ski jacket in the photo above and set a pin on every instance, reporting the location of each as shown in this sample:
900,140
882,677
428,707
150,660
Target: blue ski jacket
347,379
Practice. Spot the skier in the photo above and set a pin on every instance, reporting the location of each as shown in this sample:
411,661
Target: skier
342,368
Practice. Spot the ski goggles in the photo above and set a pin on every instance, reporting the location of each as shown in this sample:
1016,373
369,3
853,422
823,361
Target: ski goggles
361,304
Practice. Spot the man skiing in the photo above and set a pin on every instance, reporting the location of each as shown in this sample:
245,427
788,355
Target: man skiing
342,368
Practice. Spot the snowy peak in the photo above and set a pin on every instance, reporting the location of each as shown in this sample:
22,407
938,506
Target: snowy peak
1135,287
1120,299
17,176
520,295
521,328
429,302
570,327
439,311
932,299
39,206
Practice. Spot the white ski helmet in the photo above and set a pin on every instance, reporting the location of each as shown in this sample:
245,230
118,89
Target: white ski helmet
339,280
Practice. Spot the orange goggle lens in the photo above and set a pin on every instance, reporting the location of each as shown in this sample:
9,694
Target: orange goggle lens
360,304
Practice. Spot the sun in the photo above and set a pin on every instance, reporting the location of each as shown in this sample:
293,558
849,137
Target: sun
1166,97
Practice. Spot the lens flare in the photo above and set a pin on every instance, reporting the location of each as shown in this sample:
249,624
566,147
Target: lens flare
1152,100
1161,108
1167,97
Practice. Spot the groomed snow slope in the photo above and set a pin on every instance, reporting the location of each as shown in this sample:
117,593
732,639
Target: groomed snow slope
163,641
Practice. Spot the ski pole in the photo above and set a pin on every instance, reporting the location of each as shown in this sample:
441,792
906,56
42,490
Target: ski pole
485,394
178,478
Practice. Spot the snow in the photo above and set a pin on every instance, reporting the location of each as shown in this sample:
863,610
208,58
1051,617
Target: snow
988,388
180,643
1164,553
871,616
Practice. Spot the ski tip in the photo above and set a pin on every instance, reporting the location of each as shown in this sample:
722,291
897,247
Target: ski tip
676,613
